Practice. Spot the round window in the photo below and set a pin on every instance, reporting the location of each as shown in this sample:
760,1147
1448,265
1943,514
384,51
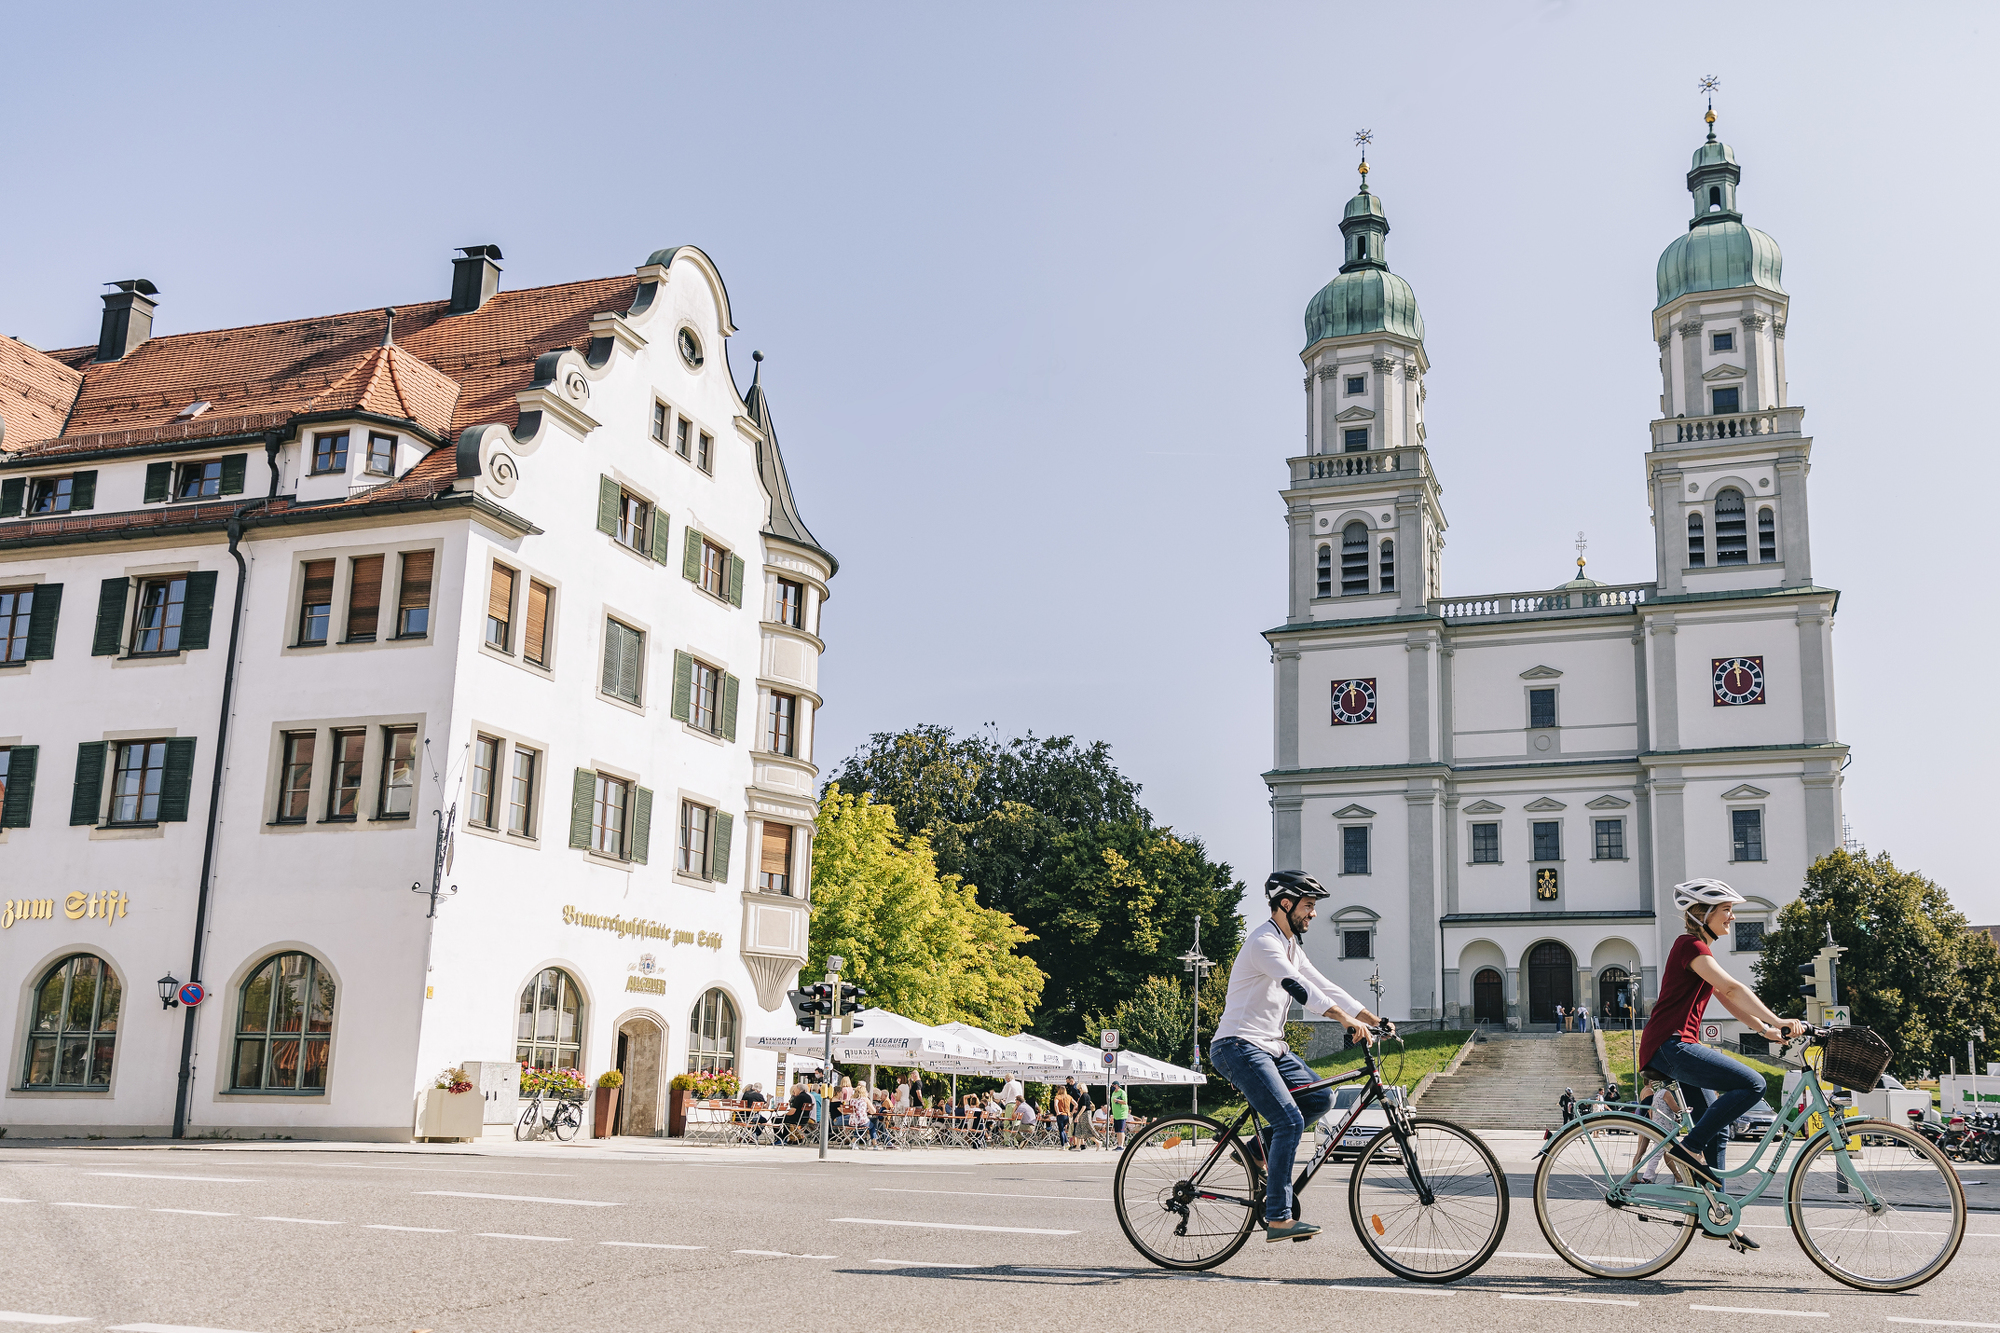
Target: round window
690,349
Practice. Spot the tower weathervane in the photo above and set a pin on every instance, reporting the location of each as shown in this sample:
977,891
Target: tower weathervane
1362,138
1581,543
1709,84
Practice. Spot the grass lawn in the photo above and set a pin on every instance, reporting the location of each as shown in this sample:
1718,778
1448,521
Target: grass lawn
1424,1052
1618,1048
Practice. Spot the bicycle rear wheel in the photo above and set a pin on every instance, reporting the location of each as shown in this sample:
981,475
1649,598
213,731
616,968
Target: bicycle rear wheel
1903,1239
1161,1208
1452,1235
1573,1200
527,1127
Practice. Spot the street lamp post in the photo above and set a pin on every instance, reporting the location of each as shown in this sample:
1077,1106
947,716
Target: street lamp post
1632,1023
1194,961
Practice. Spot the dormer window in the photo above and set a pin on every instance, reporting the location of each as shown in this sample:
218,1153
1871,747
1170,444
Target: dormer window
329,452
198,480
1723,402
1722,342
381,454
191,411
1356,384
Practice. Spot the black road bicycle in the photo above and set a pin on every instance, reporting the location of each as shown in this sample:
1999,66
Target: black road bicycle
1427,1198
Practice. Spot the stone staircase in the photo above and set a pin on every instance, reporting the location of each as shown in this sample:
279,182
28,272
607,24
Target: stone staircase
1512,1080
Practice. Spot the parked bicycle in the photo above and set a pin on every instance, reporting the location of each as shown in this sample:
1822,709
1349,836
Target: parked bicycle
557,1113
1426,1197
1875,1205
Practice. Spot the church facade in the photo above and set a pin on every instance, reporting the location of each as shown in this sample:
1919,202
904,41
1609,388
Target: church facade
1501,790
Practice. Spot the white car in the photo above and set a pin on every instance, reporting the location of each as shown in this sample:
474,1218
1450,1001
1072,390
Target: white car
1365,1127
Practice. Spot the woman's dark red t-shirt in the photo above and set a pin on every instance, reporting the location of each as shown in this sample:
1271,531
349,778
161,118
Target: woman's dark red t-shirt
1683,995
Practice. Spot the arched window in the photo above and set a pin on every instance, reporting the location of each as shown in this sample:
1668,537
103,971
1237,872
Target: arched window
712,1034
1325,571
1388,565
1360,248
1714,197
1697,541
74,1031
1354,558
1732,545
1767,536
284,1023
548,1034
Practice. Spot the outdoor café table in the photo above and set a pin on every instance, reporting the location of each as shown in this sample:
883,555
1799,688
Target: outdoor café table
714,1121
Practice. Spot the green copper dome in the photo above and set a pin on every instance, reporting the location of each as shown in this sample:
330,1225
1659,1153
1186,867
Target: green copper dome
1366,297
1718,252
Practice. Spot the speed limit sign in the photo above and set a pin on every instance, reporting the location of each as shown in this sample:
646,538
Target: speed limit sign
1711,1032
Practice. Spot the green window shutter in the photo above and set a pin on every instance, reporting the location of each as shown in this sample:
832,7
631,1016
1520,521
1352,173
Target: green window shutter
199,611
642,824
159,481
718,848
13,494
176,780
607,506
736,580
87,796
691,561
662,551
83,491
683,686
614,645
582,791
112,595
631,658
42,622
20,801
729,687
232,473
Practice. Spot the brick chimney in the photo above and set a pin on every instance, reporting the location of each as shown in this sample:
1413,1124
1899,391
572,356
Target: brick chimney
474,278
128,317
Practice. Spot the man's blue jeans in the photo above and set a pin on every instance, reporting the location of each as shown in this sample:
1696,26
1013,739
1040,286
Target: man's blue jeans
1737,1085
1266,1082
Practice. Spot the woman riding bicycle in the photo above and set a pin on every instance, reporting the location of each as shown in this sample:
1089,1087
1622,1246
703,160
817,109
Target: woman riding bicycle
1249,1047
1670,1044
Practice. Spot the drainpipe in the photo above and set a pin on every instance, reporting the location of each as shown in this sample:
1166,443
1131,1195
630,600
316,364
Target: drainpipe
271,441
214,812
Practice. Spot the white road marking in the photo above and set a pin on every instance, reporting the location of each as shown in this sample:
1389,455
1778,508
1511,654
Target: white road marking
1398,1291
452,1170
384,1226
519,1198
920,1263
17,1317
148,1175
952,1226
1747,1309
93,1205
167,1328
1940,1323
650,1245
191,1212
1567,1300
894,1171
16,1201
304,1221
506,1235
1071,1272
986,1194
780,1254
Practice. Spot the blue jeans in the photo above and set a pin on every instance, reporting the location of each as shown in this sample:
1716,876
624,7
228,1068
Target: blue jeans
1737,1087
1266,1082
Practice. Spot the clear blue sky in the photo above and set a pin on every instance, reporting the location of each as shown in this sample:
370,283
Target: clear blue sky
1030,280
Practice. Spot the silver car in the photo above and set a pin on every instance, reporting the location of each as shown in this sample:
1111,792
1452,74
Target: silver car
1753,1123
1366,1126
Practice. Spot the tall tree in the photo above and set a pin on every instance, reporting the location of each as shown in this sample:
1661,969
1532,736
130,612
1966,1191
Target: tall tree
1913,971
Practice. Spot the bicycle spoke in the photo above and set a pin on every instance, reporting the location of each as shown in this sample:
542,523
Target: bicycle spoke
1446,1237
1891,1220
1158,1205
1573,1190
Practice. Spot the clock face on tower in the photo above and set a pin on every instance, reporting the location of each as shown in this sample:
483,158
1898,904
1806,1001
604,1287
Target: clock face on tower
1353,702
1739,680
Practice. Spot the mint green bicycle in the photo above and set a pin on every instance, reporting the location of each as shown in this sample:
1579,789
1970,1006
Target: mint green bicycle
1874,1206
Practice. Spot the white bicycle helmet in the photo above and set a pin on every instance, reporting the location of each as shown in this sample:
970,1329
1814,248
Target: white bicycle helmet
1702,894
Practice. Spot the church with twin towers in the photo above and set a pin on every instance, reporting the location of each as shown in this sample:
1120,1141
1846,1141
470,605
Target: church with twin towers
1500,791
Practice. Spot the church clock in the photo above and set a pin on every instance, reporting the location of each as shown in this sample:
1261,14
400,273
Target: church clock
1739,680
1353,702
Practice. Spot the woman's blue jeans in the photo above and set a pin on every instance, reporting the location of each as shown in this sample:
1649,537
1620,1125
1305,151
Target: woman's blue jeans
1266,1082
1737,1086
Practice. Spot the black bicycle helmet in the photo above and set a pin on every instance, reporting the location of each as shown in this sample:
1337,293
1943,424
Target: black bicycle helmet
1293,884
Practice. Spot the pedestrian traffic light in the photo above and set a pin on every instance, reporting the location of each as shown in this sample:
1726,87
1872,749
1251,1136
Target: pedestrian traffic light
851,997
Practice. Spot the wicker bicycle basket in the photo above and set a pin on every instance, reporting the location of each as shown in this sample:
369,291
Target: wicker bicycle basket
1855,1058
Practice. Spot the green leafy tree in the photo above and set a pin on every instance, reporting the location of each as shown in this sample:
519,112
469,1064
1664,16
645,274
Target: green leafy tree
1912,971
918,941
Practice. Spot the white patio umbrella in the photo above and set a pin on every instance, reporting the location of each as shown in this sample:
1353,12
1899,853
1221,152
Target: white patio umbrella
1010,1055
1070,1062
1133,1067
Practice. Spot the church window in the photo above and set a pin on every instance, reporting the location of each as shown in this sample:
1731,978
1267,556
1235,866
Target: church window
1325,588
1722,342
1610,840
1697,541
1360,248
1356,384
1723,402
1767,536
1548,840
1388,565
1714,198
1486,844
1746,835
1731,537
1542,708
1354,850
1749,937
1355,440
1354,560
1357,944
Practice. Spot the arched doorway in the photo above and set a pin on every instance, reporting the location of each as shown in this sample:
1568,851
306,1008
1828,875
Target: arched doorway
1614,986
1551,980
642,1049
1489,1003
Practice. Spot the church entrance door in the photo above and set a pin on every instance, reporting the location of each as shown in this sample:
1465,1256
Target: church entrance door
1551,980
1488,1005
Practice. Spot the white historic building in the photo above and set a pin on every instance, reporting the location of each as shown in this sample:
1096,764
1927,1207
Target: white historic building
503,596
1501,790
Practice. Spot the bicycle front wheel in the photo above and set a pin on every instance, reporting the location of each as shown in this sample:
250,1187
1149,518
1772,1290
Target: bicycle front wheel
526,1127
1573,1188
1884,1218
1186,1193
566,1121
1455,1232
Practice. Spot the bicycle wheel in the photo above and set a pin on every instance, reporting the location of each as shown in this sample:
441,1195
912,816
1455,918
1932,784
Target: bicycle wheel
1573,1192
1901,1240
566,1121
1453,1234
1169,1219
527,1126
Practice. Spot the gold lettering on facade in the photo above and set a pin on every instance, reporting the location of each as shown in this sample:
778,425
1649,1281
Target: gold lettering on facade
647,985
73,905
26,909
623,926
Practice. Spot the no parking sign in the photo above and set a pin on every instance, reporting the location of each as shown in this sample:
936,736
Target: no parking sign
193,993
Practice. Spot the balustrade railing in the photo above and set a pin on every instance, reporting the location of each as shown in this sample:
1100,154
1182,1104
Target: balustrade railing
1372,462
1531,603
1735,425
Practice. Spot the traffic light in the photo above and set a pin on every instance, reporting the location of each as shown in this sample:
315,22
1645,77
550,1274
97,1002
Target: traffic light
810,1004
1819,993
851,997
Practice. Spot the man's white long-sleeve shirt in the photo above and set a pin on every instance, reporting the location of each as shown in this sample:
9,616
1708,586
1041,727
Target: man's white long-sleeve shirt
1256,1004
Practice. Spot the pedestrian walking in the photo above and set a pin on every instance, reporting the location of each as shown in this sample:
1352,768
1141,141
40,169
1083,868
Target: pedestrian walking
1120,1112
1065,1107
1567,1104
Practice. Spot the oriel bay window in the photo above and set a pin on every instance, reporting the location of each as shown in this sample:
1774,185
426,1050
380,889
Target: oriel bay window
791,603
549,1031
381,455
329,452
780,736
284,1027
774,864
609,814
705,696
73,1033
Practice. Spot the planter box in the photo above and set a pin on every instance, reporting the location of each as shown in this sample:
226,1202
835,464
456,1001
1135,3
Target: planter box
450,1115
677,1111
604,1111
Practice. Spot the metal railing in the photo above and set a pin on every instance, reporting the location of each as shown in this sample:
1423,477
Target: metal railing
1734,425
1536,603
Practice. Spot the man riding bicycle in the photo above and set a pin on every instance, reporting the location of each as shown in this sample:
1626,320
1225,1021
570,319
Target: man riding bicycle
1249,1046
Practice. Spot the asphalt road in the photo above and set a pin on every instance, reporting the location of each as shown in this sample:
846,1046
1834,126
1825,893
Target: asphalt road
271,1240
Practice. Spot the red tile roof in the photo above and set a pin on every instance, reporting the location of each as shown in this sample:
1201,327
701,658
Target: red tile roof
36,391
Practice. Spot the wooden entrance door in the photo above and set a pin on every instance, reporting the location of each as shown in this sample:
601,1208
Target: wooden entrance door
1551,980
1489,1004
